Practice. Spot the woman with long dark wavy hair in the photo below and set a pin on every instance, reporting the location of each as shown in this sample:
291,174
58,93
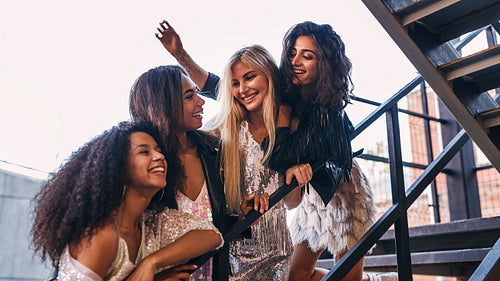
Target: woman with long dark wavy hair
94,215
166,97
316,82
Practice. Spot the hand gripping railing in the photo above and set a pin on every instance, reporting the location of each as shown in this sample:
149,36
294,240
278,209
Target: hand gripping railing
247,220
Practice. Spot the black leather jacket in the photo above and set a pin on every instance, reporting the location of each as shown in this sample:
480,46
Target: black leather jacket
322,139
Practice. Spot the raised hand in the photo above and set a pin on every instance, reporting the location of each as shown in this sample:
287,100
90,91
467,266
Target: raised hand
169,38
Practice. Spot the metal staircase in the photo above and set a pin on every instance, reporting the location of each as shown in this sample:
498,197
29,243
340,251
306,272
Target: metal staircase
430,35
426,30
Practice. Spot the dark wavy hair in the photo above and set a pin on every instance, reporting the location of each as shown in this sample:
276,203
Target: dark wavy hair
78,199
156,96
334,67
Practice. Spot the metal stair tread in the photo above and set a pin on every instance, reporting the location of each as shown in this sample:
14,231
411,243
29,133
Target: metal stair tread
474,65
490,118
470,233
449,18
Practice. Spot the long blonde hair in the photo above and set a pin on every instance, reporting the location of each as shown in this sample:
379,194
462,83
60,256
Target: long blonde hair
232,113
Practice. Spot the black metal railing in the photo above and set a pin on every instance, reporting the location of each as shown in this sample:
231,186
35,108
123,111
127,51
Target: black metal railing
397,214
402,199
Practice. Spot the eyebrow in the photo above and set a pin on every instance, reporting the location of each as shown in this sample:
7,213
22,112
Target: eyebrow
305,50
146,146
250,72
188,91
141,146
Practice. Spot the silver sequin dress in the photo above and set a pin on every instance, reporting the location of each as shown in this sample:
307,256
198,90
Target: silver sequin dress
167,227
341,223
266,256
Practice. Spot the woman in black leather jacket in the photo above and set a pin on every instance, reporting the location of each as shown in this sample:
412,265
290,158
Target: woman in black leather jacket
339,208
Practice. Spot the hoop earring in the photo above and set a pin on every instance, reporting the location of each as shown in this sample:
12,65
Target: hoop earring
124,190
162,192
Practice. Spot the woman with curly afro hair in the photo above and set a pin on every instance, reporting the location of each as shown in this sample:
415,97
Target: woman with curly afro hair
97,216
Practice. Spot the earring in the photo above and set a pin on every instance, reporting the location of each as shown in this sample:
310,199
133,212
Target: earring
162,192
124,190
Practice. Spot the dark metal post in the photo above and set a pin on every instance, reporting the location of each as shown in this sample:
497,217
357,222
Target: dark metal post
430,154
492,41
398,196
462,184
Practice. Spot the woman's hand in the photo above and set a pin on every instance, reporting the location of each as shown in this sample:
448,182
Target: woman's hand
176,273
260,203
145,271
170,39
302,172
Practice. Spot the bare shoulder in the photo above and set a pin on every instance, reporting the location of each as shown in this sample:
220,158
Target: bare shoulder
98,251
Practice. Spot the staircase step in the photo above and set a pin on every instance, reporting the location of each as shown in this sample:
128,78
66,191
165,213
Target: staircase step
491,118
462,234
421,9
482,67
448,18
457,263
426,43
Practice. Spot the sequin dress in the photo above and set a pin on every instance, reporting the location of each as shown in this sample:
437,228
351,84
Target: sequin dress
166,227
266,256
199,207
72,270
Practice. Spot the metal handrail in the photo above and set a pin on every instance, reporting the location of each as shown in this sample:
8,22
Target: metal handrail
402,199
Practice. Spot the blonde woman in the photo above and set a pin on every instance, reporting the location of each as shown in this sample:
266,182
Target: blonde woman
249,95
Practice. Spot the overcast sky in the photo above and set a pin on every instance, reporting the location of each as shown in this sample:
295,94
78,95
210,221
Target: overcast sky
66,67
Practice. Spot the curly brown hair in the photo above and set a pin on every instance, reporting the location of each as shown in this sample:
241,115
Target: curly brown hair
334,83
78,199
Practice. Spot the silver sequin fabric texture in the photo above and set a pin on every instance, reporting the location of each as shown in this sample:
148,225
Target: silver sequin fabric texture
167,227
266,256
341,223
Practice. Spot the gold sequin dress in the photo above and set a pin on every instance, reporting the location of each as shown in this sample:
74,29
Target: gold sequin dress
266,256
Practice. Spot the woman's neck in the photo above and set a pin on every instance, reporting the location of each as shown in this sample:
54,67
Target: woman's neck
257,126
187,145
256,119
131,209
306,93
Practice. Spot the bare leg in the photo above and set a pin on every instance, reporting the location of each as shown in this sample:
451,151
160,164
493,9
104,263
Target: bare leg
303,264
356,273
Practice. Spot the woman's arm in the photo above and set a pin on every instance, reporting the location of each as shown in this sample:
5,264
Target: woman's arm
188,246
322,134
172,42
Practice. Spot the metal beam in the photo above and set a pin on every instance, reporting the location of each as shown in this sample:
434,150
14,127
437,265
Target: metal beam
435,79
489,269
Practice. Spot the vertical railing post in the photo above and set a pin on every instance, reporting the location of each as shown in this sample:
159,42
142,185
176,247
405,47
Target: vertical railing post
398,195
430,153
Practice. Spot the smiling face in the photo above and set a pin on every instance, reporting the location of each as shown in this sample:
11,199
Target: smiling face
249,86
146,165
304,59
192,104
